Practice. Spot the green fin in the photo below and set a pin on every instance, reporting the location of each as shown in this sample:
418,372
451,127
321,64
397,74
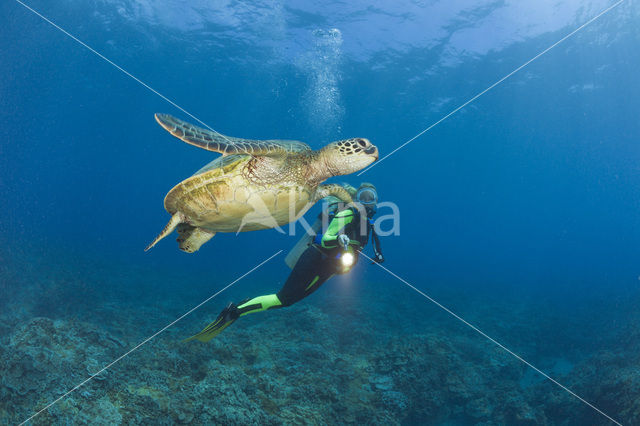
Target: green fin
224,320
211,331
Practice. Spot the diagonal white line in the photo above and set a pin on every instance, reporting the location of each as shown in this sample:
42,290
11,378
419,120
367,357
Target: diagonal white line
127,73
492,86
500,345
149,338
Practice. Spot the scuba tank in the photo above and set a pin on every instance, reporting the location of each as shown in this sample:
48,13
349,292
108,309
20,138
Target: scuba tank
307,239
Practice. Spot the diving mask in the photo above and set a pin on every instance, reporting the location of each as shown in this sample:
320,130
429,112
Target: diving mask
367,196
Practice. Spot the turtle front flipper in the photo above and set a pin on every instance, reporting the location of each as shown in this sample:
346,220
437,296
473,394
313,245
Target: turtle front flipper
335,190
191,238
226,145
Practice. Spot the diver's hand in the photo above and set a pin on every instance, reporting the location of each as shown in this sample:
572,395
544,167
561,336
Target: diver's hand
343,240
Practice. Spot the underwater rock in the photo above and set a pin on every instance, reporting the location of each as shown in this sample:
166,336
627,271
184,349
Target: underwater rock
43,358
395,401
263,371
608,380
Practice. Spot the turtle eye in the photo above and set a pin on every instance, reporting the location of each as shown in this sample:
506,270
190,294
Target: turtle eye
362,143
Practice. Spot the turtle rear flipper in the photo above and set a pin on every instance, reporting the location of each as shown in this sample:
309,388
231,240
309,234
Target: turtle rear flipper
226,145
175,220
190,238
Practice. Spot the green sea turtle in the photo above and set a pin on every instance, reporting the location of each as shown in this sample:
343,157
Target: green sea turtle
255,184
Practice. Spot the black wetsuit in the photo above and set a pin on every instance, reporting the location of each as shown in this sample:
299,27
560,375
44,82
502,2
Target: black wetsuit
316,265
321,260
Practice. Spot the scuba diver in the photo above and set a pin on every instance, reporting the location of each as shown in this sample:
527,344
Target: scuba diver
314,259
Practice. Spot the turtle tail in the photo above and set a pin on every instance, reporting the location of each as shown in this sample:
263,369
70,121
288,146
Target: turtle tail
176,219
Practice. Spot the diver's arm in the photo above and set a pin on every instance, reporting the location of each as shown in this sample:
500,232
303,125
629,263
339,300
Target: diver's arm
341,219
377,251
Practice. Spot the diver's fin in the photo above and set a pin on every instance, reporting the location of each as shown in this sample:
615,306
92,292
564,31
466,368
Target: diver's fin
190,238
224,320
176,219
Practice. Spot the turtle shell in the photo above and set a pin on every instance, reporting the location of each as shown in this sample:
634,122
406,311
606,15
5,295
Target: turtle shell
220,198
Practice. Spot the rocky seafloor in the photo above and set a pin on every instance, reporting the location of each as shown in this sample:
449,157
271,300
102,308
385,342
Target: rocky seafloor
333,358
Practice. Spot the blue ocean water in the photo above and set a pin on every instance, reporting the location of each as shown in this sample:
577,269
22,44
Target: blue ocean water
519,212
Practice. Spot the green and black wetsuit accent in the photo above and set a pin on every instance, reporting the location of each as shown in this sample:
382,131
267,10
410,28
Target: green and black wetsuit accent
316,265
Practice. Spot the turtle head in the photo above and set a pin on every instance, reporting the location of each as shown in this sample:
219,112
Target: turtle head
347,156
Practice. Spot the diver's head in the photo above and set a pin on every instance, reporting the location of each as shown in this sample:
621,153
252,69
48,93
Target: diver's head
368,197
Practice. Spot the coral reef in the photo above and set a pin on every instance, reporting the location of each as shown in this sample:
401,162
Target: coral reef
331,359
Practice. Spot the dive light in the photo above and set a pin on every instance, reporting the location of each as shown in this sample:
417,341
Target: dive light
347,259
